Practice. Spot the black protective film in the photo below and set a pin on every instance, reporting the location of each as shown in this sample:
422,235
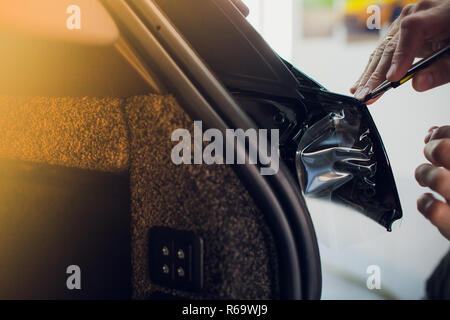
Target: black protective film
332,145
329,141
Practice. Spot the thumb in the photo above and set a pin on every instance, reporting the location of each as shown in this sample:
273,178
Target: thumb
434,76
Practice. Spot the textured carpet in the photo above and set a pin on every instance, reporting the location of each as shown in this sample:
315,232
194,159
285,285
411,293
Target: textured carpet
210,200
133,134
87,133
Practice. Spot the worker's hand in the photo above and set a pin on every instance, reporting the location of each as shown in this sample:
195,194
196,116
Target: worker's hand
436,176
420,30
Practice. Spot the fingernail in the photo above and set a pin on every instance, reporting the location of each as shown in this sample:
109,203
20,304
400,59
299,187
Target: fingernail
425,201
391,71
429,150
430,134
358,90
362,94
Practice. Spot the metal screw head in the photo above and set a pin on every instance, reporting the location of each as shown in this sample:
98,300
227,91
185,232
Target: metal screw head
180,254
165,251
165,269
180,272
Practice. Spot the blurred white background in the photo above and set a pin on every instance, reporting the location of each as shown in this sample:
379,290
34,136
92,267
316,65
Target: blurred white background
408,255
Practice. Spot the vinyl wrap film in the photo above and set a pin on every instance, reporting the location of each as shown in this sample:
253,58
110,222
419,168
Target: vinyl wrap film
331,153
331,144
336,162
133,134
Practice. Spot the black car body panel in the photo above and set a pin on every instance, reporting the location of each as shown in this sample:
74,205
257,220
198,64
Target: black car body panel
277,95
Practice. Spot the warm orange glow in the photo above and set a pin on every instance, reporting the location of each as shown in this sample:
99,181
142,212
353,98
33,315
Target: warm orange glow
88,133
48,18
